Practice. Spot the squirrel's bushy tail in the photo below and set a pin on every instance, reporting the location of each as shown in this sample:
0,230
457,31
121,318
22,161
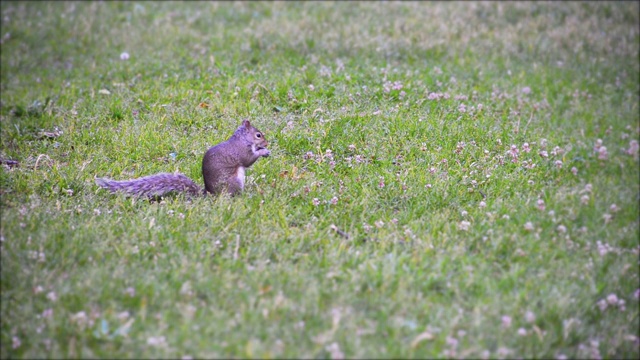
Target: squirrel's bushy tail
153,185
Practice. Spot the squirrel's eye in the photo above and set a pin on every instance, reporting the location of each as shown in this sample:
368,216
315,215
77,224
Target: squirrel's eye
258,135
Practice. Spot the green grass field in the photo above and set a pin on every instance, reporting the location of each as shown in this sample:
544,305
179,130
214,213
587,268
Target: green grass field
455,180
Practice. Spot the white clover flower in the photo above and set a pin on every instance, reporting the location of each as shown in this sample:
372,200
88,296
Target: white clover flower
464,225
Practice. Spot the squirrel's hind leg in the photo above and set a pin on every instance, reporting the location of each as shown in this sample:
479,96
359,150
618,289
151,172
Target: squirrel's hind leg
235,184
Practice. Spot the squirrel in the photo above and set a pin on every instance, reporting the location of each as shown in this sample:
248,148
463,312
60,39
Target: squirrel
223,169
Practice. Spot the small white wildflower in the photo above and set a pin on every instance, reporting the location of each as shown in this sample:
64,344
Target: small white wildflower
464,225
79,316
316,201
47,313
513,151
598,145
621,304
506,321
124,56
602,153
562,229
528,226
452,342
528,164
603,249
52,296
325,71
335,352
574,170
482,204
328,154
503,352
522,332
529,316
633,148
557,150
334,200
156,341
15,342
602,304
584,199
81,319
612,299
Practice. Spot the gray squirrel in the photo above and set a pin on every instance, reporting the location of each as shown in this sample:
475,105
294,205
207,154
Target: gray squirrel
223,169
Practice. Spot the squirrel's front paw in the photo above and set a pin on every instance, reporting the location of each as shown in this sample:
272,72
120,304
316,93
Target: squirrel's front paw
264,152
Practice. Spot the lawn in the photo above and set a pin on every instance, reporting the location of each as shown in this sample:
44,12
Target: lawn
446,180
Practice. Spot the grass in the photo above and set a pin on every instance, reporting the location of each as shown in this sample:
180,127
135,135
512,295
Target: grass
391,122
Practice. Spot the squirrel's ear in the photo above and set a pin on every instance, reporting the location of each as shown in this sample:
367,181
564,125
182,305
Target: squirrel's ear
246,124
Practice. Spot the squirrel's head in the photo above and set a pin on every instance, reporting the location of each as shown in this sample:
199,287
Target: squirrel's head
253,135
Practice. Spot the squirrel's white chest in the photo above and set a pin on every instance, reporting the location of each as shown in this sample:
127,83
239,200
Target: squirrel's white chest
240,175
